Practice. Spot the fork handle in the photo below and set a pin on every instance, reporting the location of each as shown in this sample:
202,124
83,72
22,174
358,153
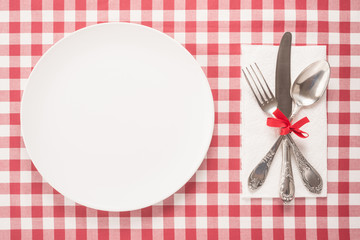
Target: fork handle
259,173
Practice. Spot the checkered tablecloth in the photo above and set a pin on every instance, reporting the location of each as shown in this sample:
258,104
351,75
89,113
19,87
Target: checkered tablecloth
209,206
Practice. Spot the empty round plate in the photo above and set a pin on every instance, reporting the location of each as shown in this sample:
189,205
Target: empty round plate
117,116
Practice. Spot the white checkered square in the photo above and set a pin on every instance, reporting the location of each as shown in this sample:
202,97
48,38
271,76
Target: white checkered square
267,222
224,37
91,16
135,15
179,16
70,222
311,15
25,176
201,176
25,16
114,222
179,222
267,15
223,152
4,223
289,222
25,61
135,222
201,222
245,37
4,130
92,222
333,222
223,106
223,175
223,60
245,14
354,16
223,222
223,15
4,61
4,200
223,129
69,16
334,15
47,38
202,60
26,223
268,37
201,38
290,15
4,154
47,16
158,222
4,16
201,15
25,200
157,15
354,223
25,38
179,199
310,222
48,199
48,223
334,38
354,199
180,37
223,83
311,38
201,199
223,199
114,15
4,38
245,222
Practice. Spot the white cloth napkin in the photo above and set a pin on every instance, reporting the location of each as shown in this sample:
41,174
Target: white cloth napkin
257,138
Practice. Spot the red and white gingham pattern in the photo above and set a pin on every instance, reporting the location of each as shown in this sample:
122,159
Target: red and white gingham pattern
209,205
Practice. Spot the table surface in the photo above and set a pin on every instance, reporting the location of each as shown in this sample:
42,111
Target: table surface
209,206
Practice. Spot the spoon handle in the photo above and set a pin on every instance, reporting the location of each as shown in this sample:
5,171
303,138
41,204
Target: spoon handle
311,178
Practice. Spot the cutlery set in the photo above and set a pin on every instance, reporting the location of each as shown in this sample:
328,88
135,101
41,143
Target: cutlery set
307,89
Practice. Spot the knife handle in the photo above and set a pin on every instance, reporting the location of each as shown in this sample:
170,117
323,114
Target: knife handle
287,186
311,178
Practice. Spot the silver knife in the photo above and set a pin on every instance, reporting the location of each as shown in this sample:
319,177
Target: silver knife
282,93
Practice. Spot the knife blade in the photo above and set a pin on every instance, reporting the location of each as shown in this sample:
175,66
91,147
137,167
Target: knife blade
282,94
282,76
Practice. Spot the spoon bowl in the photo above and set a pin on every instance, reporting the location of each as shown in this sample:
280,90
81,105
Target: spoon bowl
311,83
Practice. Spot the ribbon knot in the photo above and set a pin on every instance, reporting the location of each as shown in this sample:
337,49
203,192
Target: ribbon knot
287,126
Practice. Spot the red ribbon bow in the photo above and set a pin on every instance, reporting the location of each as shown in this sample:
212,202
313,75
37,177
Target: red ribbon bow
287,126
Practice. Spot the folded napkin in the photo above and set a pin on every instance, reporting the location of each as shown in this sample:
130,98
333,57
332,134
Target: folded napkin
257,138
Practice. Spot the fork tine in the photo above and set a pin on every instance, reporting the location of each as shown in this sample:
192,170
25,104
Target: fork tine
261,85
247,80
265,81
262,98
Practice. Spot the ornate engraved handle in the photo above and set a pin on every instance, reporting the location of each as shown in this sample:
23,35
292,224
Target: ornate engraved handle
287,186
258,175
311,178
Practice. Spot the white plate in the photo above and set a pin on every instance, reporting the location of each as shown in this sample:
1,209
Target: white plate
117,116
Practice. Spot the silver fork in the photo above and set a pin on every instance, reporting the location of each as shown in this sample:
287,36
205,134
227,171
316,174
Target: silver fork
268,104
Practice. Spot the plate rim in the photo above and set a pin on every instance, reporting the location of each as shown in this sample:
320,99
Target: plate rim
163,196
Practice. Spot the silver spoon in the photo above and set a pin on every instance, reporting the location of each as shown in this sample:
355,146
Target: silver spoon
307,89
